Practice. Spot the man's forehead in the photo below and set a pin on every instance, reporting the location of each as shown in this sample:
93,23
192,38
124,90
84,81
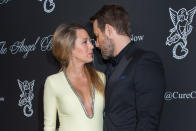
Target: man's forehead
95,26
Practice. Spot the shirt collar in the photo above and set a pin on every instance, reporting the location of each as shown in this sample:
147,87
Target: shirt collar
115,60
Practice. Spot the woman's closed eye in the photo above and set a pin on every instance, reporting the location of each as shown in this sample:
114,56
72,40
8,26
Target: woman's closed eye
86,41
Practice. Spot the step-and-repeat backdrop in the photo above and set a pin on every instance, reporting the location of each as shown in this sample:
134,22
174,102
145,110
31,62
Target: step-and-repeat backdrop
167,27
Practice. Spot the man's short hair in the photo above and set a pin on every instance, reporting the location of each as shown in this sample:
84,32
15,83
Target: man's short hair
114,15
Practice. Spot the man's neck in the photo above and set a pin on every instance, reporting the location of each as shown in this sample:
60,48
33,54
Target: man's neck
120,43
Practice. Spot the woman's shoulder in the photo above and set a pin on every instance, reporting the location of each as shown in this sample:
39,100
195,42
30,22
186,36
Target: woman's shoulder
53,83
55,77
100,74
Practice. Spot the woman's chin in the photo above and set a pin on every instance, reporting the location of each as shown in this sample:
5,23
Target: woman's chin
90,60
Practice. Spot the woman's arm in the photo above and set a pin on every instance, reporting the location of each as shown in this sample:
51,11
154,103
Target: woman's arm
50,108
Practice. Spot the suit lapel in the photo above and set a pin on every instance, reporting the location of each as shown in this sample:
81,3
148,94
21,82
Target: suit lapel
129,59
121,66
116,74
118,70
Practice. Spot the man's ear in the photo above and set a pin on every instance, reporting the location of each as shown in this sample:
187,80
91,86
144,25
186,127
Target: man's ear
109,30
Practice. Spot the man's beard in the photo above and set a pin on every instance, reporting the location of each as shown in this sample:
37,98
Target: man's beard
108,48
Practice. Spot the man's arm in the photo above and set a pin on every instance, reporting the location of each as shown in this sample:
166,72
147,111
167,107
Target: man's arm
149,85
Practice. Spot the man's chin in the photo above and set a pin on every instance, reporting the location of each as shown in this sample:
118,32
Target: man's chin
105,57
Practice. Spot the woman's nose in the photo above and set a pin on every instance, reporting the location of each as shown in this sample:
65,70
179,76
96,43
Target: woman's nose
97,43
91,45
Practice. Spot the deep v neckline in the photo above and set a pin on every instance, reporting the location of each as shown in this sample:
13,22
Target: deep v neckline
79,98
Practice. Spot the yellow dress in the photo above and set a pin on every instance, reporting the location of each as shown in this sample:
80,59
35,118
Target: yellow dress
60,97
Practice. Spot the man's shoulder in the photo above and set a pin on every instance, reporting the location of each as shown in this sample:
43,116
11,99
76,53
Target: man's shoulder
141,55
149,57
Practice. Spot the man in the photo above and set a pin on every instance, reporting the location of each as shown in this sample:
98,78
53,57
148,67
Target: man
135,78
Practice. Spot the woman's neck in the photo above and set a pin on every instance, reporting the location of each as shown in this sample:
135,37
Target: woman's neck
75,70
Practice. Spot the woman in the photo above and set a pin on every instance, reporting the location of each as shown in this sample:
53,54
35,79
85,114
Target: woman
77,91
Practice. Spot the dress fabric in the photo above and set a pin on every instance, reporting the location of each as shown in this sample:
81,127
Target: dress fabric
60,98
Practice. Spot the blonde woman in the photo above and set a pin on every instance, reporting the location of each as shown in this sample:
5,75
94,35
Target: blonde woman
76,93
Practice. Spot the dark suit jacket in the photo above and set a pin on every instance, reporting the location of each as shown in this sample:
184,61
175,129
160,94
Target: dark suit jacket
134,97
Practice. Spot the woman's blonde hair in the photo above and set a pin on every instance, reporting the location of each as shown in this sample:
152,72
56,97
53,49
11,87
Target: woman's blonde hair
63,42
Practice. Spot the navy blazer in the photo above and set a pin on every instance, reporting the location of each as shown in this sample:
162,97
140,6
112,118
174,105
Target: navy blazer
134,95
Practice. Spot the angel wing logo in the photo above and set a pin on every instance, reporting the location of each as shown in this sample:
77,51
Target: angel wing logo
48,5
26,97
4,2
181,20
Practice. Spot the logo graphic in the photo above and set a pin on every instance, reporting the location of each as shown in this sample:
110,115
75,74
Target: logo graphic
2,99
179,96
4,2
181,20
26,97
133,37
46,43
21,46
48,5
3,50
137,38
